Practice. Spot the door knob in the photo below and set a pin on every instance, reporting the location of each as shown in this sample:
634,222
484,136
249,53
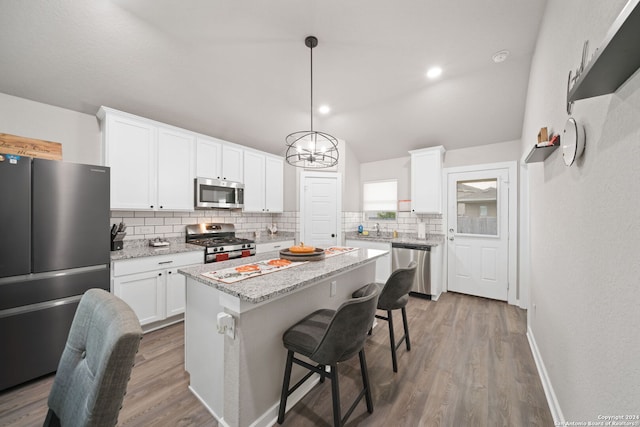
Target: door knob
451,238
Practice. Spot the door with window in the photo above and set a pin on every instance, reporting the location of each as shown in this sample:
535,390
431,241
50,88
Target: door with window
478,232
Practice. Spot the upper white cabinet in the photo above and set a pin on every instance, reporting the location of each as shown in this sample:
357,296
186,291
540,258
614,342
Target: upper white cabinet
232,163
152,166
130,152
426,180
176,153
208,157
263,182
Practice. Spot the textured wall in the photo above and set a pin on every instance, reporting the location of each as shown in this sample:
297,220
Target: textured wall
79,133
585,225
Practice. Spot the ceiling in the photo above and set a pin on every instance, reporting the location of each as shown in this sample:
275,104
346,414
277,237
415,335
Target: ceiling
239,70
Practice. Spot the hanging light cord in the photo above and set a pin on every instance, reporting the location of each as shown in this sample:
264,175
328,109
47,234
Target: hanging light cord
311,106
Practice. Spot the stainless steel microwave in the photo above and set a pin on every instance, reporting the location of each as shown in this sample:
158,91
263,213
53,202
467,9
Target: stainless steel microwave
218,193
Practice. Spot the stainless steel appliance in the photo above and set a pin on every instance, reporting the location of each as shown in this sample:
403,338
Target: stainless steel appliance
219,241
402,254
218,193
54,223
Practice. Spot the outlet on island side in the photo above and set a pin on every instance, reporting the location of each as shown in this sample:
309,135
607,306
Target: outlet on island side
332,289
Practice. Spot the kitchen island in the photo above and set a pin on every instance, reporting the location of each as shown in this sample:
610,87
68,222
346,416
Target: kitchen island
238,375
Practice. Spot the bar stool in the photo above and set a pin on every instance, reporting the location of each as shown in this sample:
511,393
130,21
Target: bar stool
328,337
394,295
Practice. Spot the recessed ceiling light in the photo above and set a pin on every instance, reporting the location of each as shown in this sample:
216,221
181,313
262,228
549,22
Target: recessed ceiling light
434,72
500,56
324,109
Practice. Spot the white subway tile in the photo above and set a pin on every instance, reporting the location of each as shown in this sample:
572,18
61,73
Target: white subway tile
172,221
143,230
132,222
179,229
144,214
164,214
153,221
164,229
189,220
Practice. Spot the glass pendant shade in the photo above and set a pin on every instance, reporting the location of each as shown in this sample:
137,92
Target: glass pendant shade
308,148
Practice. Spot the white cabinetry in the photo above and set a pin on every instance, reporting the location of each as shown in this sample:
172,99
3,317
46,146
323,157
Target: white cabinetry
152,286
129,146
232,163
152,166
383,264
208,157
426,180
175,169
263,182
273,246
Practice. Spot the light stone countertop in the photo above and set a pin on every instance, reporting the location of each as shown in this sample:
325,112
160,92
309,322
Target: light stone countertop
140,248
266,237
431,240
271,285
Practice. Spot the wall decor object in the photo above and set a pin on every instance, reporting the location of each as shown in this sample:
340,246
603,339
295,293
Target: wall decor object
572,141
29,147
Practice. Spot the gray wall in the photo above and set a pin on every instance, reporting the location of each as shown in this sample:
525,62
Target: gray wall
585,224
78,133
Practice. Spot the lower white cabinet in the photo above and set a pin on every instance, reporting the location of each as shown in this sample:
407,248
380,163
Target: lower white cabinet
152,286
273,246
383,264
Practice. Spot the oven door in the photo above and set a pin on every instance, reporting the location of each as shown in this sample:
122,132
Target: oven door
217,193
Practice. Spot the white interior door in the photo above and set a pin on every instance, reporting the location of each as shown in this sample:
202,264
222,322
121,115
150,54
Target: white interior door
478,233
320,209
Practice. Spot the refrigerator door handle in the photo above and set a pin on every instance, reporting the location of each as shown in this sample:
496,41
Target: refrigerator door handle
39,306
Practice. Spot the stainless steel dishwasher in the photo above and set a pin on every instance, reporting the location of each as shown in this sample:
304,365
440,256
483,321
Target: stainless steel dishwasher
402,254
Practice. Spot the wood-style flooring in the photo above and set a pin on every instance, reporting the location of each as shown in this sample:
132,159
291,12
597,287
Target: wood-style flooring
469,365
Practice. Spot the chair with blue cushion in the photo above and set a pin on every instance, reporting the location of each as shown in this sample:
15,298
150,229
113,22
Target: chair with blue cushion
328,337
96,363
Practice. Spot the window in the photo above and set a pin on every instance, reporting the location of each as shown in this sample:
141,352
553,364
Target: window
477,203
380,200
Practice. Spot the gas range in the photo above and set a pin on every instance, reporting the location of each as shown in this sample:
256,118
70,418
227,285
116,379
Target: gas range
219,241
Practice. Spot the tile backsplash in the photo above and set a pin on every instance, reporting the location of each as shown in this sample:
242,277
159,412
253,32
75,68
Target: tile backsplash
405,223
166,224
148,225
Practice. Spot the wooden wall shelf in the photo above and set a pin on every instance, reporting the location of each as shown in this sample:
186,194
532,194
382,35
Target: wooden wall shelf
617,59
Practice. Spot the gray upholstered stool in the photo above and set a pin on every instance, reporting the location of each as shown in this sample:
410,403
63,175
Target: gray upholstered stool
96,363
394,295
328,337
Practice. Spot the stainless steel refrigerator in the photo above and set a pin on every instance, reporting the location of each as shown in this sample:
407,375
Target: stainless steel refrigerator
54,234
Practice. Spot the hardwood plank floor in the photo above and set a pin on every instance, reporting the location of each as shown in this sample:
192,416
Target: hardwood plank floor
469,365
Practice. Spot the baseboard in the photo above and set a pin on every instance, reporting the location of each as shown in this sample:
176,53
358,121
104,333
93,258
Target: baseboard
552,401
270,417
221,421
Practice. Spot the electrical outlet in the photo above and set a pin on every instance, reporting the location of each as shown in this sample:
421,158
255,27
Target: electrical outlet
226,325
332,290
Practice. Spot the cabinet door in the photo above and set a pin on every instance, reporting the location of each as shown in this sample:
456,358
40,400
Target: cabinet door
130,152
274,184
145,294
426,181
232,163
254,183
208,158
273,246
176,284
175,170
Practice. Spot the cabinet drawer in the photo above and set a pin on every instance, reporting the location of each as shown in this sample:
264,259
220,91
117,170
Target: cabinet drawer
273,246
141,265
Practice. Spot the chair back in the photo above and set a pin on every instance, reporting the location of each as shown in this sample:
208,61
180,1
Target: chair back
96,363
397,285
347,331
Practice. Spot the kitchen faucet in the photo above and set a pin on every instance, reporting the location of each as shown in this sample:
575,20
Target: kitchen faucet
377,226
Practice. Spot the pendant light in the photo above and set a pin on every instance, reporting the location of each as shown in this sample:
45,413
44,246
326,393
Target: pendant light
308,148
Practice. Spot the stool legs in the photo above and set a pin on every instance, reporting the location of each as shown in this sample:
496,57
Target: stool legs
392,341
285,387
335,396
365,381
406,328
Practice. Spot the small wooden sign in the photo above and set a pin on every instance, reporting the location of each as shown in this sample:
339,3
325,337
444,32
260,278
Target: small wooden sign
29,147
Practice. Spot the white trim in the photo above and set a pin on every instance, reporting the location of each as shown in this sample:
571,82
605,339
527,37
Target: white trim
552,400
220,420
524,236
333,175
512,295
